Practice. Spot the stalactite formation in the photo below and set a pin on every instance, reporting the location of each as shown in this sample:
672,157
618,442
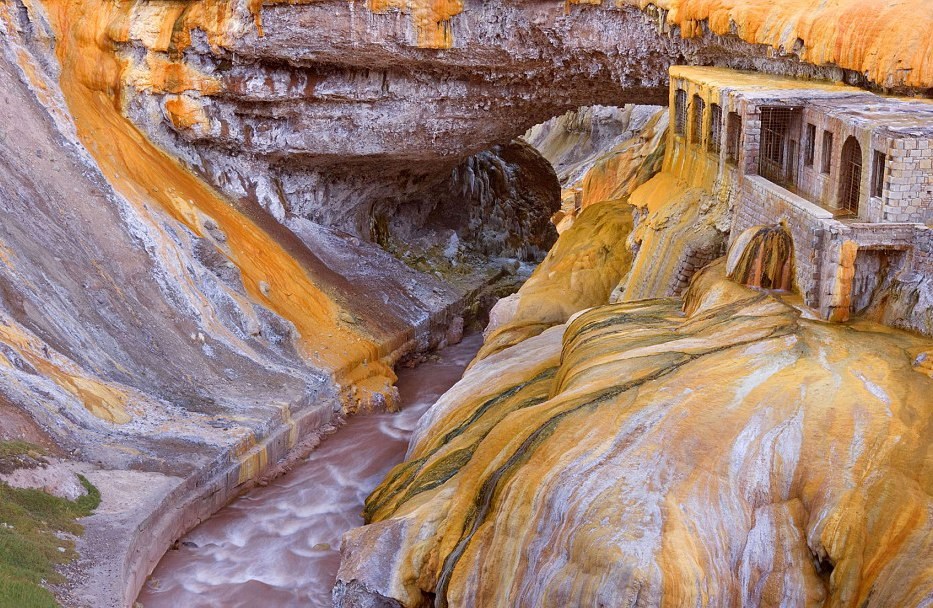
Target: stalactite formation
763,256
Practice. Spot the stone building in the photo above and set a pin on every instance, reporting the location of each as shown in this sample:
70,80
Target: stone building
848,172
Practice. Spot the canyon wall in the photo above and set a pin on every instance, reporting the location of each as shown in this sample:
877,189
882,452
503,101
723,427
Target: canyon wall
599,451
322,110
194,195
600,153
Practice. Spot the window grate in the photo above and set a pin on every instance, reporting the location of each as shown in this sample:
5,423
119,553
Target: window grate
733,137
680,112
810,153
850,175
715,128
827,152
699,106
877,173
777,159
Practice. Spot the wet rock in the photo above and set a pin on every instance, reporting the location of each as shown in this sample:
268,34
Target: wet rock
762,256
580,271
627,453
497,203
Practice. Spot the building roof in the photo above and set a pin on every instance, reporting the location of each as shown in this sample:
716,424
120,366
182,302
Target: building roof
904,116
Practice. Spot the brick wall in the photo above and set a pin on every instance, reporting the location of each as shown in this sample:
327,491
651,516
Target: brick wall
909,185
923,251
762,203
836,260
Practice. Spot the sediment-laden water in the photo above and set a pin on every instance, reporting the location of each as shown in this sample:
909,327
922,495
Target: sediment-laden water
278,546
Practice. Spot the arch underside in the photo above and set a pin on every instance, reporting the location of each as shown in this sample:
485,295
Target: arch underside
332,111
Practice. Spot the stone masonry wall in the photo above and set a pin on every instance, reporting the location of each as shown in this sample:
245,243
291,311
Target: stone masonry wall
909,186
833,257
824,187
762,202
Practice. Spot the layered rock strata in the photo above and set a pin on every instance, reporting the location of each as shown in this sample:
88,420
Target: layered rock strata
322,110
735,453
601,153
178,344
189,190
574,142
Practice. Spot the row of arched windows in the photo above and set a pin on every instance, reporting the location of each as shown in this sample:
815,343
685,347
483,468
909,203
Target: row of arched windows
714,135
778,146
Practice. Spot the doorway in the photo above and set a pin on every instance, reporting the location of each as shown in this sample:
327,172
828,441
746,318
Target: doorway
850,176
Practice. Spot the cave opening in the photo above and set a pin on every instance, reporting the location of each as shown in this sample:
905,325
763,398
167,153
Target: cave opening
491,221
486,222
227,227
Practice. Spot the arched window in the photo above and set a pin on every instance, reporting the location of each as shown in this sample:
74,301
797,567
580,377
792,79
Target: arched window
850,175
715,128
680,111
696,136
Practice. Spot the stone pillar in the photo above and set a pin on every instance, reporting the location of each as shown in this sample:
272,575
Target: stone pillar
837,300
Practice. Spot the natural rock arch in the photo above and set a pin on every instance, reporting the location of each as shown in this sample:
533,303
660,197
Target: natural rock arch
325,109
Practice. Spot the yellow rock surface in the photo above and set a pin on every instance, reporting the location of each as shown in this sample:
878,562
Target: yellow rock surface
107,402
618,171
627,166
677,222
580,271
762,256
431,18
736,455
888,42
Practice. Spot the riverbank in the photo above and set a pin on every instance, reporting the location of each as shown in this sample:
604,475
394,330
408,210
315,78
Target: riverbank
279,545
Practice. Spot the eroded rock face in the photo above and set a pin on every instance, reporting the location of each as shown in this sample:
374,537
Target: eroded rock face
180,342
574,142
580,271
601,153
763,257
622,458
496,203
322,109
189,191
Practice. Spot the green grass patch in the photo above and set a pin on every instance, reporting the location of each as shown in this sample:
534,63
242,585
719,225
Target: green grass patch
29,546
10,449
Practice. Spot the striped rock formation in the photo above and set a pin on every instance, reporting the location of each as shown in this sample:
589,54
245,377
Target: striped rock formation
192,193
735,454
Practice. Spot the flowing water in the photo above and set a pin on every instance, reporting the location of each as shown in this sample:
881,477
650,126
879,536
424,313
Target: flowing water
278,546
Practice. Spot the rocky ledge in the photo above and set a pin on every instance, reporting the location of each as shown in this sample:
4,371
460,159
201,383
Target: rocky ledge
718,449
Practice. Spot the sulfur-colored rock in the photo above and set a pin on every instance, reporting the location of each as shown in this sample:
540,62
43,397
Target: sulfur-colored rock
191,197
762,256
579,272
601,154
298,88
150,322
739,454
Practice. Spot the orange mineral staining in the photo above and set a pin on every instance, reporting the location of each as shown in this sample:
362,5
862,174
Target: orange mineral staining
737,454
93,78
763,256
430,18
580,271
889,42
107,402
